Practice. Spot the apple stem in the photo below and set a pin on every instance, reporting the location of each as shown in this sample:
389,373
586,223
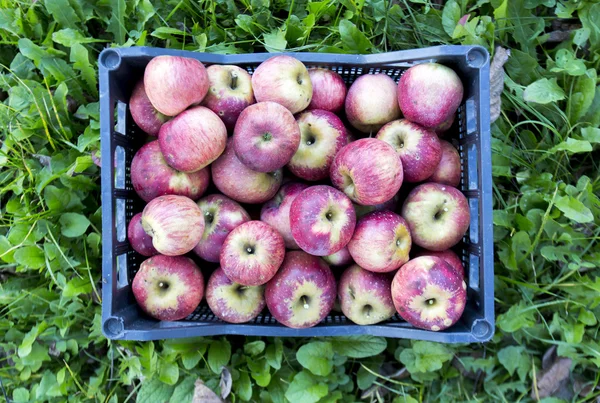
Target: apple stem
305,302
233,84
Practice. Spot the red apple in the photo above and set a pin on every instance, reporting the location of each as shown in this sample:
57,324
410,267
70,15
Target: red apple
438,216
429,94
340,258
151,176
303,292
276,212
285,80
221,216
448,170
168,287
266,136
419,148
381,242
252,253
329,90
322,220
173,83
242,184
448,255
429,294
175,224
229,93
232,302
193,139
322,135
143,113
372,102
368,170
365,297
139,240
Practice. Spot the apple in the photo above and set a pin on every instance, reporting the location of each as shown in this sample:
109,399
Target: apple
329,90
276,212
372,102
438,216
232,302
443,127
144,114
252,253
229,93
236,180
303,292
174,83
151,176
419,148
448,170
340,258
365,297
285,80
322,135
221,216
139,240
322,220
266,136
381,242
429,94
448,255
390,205
193,139
429,294
368,171
168,287
175,224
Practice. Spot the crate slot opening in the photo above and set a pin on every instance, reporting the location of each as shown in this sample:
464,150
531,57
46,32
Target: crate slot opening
474,227
122,271
472,172
119,164
120,220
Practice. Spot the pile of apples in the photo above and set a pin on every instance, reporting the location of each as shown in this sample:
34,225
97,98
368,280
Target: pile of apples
330,226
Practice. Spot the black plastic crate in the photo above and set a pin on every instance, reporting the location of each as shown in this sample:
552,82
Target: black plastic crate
120,68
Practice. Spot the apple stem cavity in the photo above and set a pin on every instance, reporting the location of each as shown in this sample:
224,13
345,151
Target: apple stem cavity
233,83
267,136
163,285
249,250
430,301
209,217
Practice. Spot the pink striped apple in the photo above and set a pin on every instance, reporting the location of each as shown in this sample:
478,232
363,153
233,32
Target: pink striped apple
372,102
232,302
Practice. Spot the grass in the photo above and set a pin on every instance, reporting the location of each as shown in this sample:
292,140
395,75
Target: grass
546,206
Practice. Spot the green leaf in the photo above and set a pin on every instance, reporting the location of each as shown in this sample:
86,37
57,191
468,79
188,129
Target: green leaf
73,225
69,37
275,41
116,24
190,359
254,348
62,12
243,387
567,62
582,96
169,372
424,356
316,357
306,388
517,317
359,346
543,91
572,146
184,392
77,286
20,395
574,209
274,353
450,16
26,345
515,358
405,399
31,257
154,391
219,353
591,134
352,38
81,62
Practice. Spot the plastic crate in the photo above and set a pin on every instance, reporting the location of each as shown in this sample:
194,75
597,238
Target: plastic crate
120,68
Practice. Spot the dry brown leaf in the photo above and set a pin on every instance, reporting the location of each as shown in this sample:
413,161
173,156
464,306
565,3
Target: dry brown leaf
553,379
203,394
497,81
225,383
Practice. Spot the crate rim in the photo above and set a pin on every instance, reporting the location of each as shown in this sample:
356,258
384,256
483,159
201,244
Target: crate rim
476,57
